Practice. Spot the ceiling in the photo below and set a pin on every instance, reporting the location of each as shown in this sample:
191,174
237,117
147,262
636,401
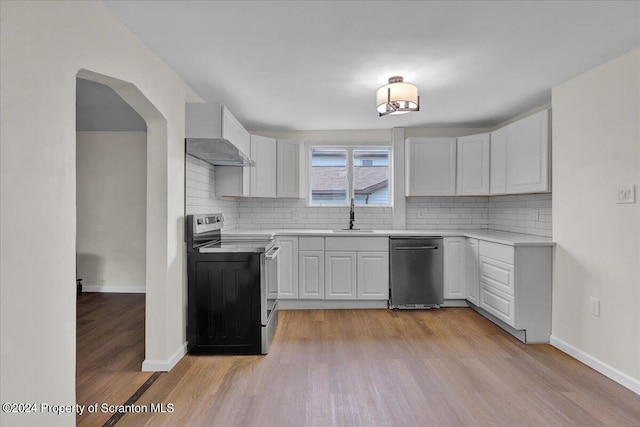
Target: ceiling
315,65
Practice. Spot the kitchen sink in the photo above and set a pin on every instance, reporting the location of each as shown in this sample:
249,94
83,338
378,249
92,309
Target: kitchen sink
346,230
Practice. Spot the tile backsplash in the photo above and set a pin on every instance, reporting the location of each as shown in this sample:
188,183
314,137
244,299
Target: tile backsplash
451,213
200,194
526,213
266,213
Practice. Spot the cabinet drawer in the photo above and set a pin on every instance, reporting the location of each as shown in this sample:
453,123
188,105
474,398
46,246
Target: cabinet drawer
497,303
498,274
497,251
357,243
311,243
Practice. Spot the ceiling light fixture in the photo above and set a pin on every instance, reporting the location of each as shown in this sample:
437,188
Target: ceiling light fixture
397,97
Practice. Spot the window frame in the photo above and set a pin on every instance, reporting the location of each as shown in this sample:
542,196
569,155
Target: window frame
349,147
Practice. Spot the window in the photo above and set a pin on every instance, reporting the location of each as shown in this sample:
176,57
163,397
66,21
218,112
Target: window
337,174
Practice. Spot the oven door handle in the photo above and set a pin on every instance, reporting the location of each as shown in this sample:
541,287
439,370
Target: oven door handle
273,253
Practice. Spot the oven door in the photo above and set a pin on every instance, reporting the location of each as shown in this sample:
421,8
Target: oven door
269,283
269,295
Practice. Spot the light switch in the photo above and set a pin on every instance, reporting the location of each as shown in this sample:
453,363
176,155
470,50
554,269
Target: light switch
626,194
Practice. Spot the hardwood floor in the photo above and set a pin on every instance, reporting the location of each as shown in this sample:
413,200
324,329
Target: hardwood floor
109,351
446,367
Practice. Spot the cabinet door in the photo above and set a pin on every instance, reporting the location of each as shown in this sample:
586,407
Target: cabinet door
431,166
311,274
499,161
288,169
528,154
233,131
340,275
497,303
473,165
373,275
288,271
471,270
263,174
454,268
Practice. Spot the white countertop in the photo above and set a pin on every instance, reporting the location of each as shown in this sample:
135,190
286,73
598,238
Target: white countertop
506,238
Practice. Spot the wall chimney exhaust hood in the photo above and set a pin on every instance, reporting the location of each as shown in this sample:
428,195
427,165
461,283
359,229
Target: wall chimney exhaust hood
214,135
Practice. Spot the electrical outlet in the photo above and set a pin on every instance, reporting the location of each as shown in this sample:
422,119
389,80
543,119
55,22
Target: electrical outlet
594,306
421,213
295,214
626,194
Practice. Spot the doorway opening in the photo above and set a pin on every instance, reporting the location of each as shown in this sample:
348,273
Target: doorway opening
115,127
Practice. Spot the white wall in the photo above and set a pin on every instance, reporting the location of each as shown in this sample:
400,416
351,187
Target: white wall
111,196
44,46
596,147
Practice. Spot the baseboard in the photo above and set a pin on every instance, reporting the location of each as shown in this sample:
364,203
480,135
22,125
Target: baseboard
300,304
151,365
114,289
620,377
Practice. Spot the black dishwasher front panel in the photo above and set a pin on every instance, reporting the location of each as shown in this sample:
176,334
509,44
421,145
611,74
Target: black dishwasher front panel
416,272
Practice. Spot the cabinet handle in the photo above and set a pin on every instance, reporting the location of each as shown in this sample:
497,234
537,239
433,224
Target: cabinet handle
411,248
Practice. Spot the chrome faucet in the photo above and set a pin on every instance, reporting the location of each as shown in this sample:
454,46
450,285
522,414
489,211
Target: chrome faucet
352,215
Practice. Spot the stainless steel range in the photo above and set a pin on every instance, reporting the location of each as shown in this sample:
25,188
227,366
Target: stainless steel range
232,289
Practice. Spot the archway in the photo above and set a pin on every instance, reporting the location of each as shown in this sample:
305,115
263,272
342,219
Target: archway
156,213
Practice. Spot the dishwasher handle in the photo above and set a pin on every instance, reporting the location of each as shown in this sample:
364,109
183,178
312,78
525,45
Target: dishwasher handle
413,248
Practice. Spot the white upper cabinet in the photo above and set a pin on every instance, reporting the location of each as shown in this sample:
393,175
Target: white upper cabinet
499,161
473,165
431,166
263,174
232,130
528,154
288,169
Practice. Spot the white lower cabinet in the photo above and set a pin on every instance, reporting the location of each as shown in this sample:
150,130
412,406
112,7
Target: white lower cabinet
288,268
311,274
335,268
340,275
497,303
472,270
373,275
454,271
515,287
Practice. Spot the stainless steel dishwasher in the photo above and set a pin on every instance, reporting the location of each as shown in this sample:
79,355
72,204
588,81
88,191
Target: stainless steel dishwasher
416,272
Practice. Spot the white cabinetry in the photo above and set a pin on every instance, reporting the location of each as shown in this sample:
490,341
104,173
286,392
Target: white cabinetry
255,181
473,165
215,121
515,287
311,268
471,270
431,166
340,275
373,275
499,161
233,131
263,174
454,273
288,268
528,154
288,169
357,268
